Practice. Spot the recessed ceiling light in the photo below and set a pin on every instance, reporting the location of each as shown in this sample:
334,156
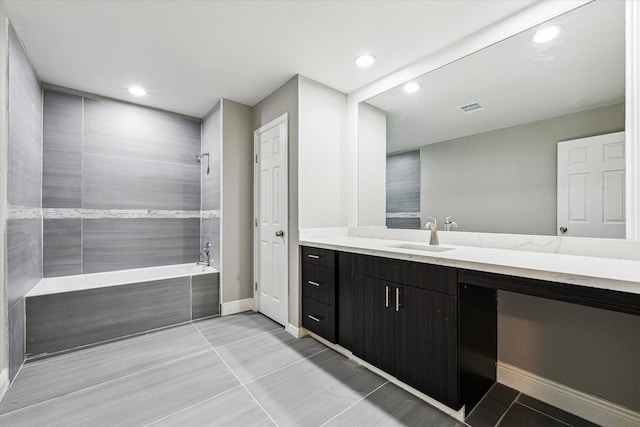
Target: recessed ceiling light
412,87
365,60
137,91
546,34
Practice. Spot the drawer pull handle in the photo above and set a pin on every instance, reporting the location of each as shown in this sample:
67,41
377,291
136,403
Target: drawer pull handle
315,319
313,256
313,283
397,299
386,290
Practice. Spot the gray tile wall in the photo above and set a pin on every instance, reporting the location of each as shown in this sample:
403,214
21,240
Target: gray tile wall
108,155
210,225
119,244
25,129
62,156
62,247
24,235
403,188
205,295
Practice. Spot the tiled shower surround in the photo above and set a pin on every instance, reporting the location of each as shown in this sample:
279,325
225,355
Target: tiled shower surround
24,225
120,186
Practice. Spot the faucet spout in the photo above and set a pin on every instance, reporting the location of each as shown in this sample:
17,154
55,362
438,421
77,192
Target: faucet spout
433,226
206,251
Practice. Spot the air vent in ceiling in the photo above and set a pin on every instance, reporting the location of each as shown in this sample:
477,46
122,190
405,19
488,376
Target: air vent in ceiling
474,106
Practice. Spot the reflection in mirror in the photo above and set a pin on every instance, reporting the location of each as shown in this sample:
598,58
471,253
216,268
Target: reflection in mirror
478,140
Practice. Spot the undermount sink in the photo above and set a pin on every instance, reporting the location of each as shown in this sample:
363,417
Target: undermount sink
425,248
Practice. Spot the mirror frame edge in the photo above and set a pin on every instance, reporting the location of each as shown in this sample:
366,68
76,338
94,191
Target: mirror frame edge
514,24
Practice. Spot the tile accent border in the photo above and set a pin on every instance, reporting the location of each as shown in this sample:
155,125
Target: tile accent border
584,405
403,214
238,306
23,212
61,213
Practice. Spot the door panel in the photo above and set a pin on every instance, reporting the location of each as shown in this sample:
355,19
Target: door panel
272,217
591,187
426,343
374,322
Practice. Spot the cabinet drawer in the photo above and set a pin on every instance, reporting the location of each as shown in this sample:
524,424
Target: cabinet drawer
317,256
319,283
319,318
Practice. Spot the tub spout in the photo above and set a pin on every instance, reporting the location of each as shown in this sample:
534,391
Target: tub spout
206,251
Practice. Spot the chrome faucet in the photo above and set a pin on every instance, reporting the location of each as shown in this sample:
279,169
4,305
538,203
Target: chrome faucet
433,226
448,224
206,251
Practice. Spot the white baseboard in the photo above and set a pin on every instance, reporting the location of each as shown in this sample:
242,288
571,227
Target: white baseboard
296,331
591,408
237,306
4,382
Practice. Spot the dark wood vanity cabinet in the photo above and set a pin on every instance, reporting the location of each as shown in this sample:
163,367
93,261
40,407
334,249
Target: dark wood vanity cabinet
319,292
412,320
404,327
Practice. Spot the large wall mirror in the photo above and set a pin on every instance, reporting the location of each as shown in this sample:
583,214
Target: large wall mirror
525,136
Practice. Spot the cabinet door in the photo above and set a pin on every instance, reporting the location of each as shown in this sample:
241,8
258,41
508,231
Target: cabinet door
373,337
427,343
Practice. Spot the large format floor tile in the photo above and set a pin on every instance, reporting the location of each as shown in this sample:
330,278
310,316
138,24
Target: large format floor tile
137,399
313,390
521,416
232,408
391,406
253,357
61,375
492,406
229,329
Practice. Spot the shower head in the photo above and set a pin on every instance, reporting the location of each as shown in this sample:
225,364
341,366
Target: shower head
199,159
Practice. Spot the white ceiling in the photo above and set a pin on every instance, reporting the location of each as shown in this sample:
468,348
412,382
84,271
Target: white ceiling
515,81
189,53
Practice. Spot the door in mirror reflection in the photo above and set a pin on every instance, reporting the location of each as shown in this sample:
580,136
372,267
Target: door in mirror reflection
591,187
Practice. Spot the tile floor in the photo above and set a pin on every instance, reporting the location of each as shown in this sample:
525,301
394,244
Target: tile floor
241,370
505,407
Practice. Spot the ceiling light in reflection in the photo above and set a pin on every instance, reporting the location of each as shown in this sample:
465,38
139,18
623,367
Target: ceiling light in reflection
412,87
546,34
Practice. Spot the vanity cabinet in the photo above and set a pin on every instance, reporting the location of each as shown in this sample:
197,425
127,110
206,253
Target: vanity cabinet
412,320
319,292
406,329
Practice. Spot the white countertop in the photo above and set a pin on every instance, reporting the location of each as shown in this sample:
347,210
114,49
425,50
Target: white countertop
597,272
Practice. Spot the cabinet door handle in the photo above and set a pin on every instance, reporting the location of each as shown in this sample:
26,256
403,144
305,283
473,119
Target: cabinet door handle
386,291
315,319
313,256
397,299
313,283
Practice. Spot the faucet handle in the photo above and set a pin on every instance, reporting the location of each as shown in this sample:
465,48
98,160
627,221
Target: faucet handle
432,223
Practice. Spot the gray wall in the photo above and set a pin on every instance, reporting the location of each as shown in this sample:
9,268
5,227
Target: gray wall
403,190
210,222
504,181
237,202
591,350
120,186
24,226
285,100
4,333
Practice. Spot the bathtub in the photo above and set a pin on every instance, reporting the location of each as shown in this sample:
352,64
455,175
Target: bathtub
68,312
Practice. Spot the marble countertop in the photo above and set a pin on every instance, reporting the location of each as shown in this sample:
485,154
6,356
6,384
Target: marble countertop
597,272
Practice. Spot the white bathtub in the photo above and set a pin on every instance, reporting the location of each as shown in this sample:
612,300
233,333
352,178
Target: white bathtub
70,312
54,285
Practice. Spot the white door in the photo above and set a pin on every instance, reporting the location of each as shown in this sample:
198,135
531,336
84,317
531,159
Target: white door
591,187
271,219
